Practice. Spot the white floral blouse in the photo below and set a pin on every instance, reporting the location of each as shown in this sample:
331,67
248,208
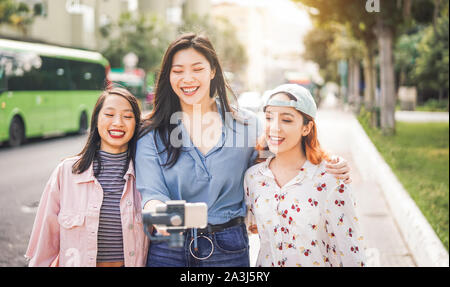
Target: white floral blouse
310,221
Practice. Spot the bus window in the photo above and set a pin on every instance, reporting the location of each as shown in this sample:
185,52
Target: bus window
52,75
87,76
2,79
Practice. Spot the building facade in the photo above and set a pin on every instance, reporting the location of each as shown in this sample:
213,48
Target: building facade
77,23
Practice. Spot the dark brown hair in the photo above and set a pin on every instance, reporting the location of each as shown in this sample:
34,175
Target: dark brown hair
89,152
166,101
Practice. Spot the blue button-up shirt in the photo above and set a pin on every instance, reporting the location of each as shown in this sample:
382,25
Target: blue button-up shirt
215,178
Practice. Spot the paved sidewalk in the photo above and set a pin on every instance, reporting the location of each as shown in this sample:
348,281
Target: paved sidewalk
384,243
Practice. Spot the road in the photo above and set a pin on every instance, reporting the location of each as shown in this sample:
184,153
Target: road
24,171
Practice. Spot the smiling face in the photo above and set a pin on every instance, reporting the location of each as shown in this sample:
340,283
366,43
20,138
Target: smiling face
190,77
116,124
284,127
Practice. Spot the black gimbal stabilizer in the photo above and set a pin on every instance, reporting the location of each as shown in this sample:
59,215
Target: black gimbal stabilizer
177,216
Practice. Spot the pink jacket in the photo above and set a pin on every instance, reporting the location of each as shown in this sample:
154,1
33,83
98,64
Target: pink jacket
66,224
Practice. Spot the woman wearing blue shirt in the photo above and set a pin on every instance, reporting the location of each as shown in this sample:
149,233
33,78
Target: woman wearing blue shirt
194,146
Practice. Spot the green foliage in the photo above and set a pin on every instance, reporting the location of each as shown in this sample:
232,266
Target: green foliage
346,12
146,36
433,105
421,49
406,53
16,14
223,35
432,67
317,41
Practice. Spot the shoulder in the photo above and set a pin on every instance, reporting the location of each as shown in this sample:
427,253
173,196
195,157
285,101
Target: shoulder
321,169
332,183
147,141
321,175
245,116
253,171
67,163
246,122
147,137
64,169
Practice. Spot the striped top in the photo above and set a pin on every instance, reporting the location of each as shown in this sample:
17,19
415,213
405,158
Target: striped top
110,177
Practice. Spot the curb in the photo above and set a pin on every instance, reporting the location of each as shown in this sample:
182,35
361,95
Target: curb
422,241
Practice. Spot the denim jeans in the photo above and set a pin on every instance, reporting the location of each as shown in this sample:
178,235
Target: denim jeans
227,248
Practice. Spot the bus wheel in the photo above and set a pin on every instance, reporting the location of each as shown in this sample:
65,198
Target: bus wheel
16,132
83,123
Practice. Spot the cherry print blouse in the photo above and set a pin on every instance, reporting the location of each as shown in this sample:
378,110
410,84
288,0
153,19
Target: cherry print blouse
310,221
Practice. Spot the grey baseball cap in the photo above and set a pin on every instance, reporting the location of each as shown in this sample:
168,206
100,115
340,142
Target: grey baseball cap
305,102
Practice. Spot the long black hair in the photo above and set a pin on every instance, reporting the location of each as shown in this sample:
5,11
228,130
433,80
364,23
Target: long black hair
89,152
166,101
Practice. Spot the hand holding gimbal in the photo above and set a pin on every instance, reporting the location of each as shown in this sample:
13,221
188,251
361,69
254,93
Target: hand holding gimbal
177,216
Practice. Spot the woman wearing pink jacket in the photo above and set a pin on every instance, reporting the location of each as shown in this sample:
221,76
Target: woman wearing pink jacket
90,211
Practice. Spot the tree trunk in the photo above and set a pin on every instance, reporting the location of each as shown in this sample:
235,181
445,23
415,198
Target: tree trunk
369,77
387,81
354,77
349,96
370,80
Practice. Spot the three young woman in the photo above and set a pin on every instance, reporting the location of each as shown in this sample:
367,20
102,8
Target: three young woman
194,146
90,211
304,216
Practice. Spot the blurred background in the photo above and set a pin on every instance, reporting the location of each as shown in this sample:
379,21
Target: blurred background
385,61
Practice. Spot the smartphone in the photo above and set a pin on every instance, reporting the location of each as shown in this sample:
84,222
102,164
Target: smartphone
196,215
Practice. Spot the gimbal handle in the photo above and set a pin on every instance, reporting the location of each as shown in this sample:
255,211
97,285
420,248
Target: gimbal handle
176,238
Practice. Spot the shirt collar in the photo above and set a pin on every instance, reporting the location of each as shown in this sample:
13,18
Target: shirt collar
88,174
186,139
308,170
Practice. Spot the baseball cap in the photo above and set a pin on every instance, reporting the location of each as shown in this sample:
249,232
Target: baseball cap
304,101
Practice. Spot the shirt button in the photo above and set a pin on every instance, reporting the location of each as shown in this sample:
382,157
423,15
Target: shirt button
130,226
128,202
131,253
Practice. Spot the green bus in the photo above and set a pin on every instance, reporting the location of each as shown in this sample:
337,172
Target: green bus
47,90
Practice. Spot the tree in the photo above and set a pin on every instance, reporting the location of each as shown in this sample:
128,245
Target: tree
432,65
385,24
145,36
406,53
359,31
223,35
16,14
347,47
316,43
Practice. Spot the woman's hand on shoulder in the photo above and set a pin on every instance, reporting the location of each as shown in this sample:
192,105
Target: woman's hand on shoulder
339,168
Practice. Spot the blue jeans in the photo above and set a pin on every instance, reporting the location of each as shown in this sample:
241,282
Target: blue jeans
227,248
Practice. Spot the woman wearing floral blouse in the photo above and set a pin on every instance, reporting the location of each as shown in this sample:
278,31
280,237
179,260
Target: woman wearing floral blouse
304,216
